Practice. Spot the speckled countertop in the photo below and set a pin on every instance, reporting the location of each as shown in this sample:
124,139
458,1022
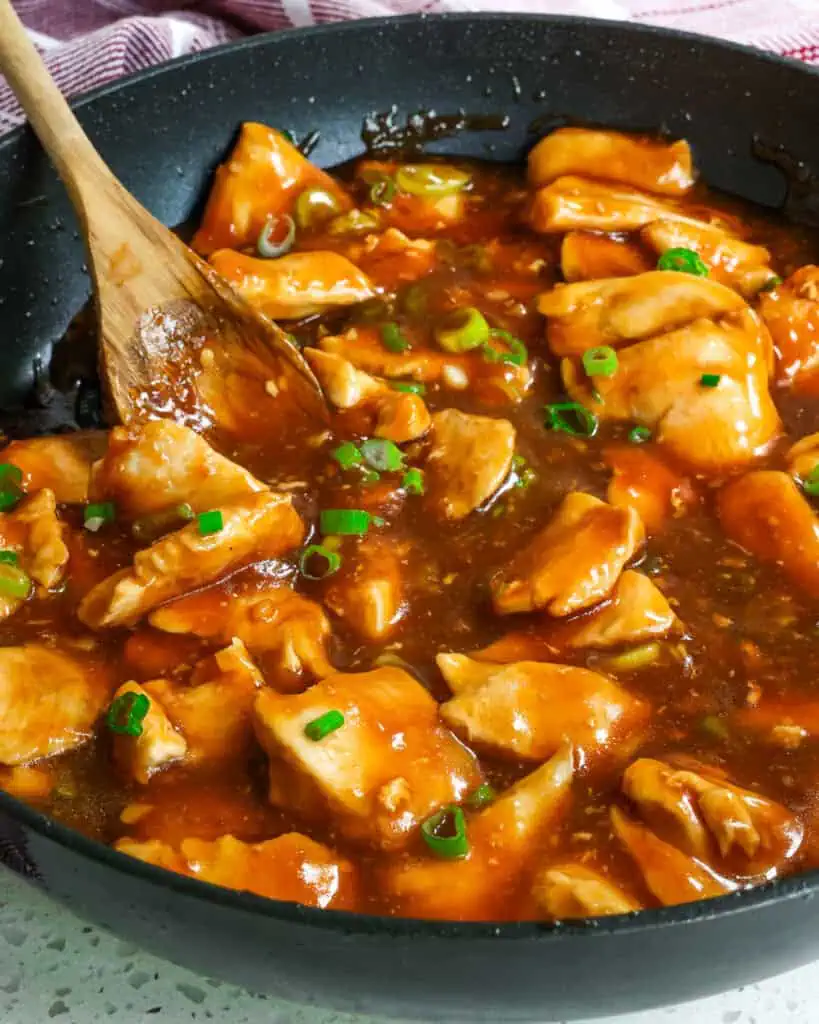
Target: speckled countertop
53,967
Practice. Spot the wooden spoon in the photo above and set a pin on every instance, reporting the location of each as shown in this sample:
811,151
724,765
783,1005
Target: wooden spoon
158,304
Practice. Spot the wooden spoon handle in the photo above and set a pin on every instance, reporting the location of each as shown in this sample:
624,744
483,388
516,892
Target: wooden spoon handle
77,162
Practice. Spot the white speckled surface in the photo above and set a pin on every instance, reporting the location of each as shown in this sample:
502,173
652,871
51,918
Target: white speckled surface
53,967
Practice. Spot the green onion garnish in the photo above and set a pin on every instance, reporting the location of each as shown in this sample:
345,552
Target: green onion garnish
771,283
571,418
314,206
347,522
638,435
267,246
516,355
11,491
600,362
291,138
371,476
210,522
331,562
482,796
393,339
97,515
8,557
148,528
9,473
684,261
382,190
409,387
523,472
384,456
413,481
347,455
13,581
430,179
810,485
445,833
710,380
324,725
462,330
127,712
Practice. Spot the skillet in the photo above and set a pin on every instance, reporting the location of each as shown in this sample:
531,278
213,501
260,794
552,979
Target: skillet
511,77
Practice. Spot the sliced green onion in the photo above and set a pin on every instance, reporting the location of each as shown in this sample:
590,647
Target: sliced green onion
348,455
314,206
445,833
410,387
355,222
413,481
378,521
385,456
9,473
13,581
431,179
382,190
348,522
127,713
8,557
715,726
482,796
324,725
11,491
571,418
634,658
684,261
771,283
148,528
810,485
710,380
600,362
266,246
331,559
98,515
516,355
291,138
393,339
523,471
210,522
639,434
462,330
371,476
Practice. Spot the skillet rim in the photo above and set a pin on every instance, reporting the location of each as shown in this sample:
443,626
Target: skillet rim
797,886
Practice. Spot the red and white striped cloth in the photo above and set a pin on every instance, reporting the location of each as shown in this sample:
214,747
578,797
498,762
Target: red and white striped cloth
89,42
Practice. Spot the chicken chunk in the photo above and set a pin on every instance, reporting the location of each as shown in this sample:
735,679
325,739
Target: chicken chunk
157,745
369,593
766,513
641,479
702,388
262,177
382,772
469,458
572,563
262,526
623,309
286,631
791,313
585,256
291,867
391,259
294,286
61,463
394,415
785,724
503,842
730,261
49,702
572,203
155,465
33,530
490,381
528,709
650,164
574,890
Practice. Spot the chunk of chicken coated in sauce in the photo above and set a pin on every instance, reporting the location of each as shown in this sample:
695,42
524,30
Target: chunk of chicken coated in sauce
294,286
573,203
157,745
261,526
573,562
586,256
526,710
369,592
396,416
33,531
291,867
574,890
262,177
49,702
791,313
503,842
155,465
389,766
651,164
645,481
469,458
288,632
766,514
61,463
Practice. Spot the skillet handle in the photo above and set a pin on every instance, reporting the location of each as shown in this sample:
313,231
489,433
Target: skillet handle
77,162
